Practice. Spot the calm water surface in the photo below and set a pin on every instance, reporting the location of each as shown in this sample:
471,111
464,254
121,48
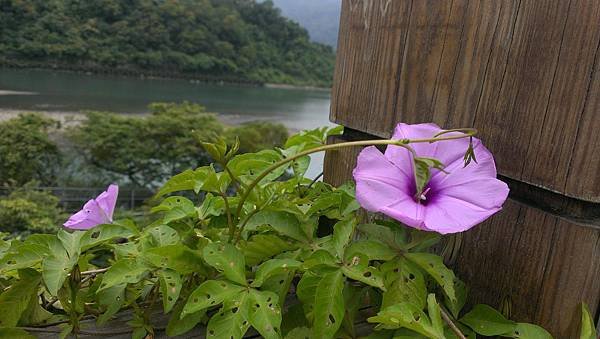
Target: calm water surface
71,92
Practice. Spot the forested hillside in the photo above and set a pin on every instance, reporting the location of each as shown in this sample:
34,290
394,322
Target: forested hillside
320,17
228,39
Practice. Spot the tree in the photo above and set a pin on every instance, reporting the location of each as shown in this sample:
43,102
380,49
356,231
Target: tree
26,151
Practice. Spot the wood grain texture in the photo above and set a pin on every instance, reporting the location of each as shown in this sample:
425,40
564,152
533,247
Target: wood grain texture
543,263
525,73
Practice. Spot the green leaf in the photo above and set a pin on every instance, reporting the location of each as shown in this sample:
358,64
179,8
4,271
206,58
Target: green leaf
408,316
177,257
434,266
190,180
279,284
392,235
55,270
125,271
27,255
299,333
306,289
231,321
404,283
71,242
227,259
164,235
103,234
111,298
455,306
15,333
35,313
374,250
263,246
265,313
281,222
216,150
343,232
14,301
328,305
313,138
434,312
528,331
180,325
358,269
247,167
588,331
274,267
487,321
176,208
170,287
319,258
210,293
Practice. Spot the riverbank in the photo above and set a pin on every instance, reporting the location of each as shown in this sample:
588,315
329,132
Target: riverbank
68,119
151,74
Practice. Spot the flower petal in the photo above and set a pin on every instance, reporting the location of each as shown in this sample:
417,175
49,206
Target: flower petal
451,215
383,187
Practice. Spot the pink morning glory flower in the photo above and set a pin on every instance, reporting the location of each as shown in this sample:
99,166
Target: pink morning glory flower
96,211
449,202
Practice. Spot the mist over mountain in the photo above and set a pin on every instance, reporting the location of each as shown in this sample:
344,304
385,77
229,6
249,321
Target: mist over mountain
320,17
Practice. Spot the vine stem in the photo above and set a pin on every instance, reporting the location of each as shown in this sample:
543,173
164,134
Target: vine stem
468,132
451,324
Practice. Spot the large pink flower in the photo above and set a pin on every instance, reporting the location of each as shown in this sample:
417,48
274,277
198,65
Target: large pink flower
450,202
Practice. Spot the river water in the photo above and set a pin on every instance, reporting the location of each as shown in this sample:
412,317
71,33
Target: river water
39,90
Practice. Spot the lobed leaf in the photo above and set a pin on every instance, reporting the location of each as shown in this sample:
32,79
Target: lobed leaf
274,267
328,305
434,266
228,259
170,287
209,294
265,313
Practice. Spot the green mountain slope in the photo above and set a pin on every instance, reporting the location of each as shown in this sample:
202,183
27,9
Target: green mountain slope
320,17
229,39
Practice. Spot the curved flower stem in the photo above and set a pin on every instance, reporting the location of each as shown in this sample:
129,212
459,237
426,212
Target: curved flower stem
401,142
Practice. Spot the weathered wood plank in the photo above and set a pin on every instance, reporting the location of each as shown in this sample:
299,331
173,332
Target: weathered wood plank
523,72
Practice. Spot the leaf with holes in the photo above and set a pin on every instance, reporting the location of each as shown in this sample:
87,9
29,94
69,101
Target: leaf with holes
343,231
406,315
279,284
210,293
587,323
265,313
372,249
263,246
487,321
111,299
274,267
528,331
358,269
178,258
329,305
305,291
27,255
434,266
404,283
14,301
390,234
103,234
231,321
175,208
125,271
164,235
227,259
247,167
170,287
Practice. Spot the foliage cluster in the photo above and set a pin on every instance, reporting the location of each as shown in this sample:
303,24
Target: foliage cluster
28,210
232,256
221,38
27,152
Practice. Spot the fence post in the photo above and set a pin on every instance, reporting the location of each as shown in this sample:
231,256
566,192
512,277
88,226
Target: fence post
527,75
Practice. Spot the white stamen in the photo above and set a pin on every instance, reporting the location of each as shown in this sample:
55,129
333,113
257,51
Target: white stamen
424,194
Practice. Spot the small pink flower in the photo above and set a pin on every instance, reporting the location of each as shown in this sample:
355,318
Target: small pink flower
96,211
450,202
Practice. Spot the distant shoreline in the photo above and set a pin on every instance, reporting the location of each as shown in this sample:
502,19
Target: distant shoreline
74,118
150,75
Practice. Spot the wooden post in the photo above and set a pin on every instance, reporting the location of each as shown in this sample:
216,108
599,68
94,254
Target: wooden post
527,75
